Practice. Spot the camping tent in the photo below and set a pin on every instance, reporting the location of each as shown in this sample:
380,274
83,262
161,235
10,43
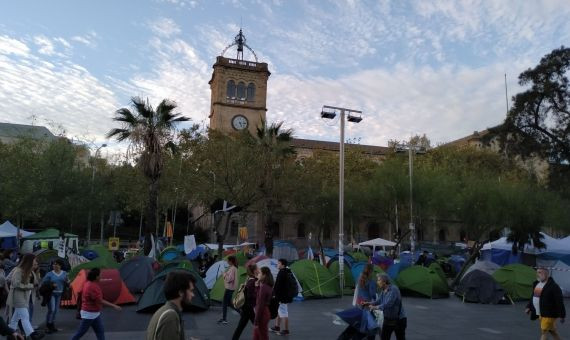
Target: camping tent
285,250
113,288
348,279
423,281
484,266
153,296
256,259
478,286
315,279
517,280
196,252
48,239
358,267
217,291
103,262
215,271
169,254
358,256
46,257
137,272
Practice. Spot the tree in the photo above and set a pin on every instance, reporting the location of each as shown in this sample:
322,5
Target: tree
149,132
539,121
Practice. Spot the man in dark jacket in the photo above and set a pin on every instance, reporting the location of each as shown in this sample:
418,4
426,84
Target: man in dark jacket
280,291
546,304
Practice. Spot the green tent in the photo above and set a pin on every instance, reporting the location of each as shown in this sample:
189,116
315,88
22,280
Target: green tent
100,262
436,267
423,281
348,279
315,279
217,292
358,256
517,280
153,296
185,264
102,252
50,233
169,254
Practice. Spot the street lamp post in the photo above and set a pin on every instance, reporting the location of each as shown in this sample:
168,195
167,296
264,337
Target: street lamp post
328,112
89,216
412,149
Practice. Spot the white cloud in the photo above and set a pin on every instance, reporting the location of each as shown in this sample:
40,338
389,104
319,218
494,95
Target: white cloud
164,27
88,39
13,46
56,90
45,45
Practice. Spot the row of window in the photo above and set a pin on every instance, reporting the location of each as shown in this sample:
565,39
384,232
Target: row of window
240,91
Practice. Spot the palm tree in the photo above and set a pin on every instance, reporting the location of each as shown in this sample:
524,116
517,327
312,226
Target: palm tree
275,148
149,132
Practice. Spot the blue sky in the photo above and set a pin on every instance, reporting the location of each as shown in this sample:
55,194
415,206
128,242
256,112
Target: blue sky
413,67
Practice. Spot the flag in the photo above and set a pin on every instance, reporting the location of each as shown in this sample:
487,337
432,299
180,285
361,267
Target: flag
189,243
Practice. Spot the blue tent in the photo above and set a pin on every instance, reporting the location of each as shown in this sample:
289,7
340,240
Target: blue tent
348,260
501,257
89,254
456,261
199,250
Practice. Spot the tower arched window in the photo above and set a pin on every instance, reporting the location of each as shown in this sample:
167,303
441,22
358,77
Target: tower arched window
250,92
231,90
241,90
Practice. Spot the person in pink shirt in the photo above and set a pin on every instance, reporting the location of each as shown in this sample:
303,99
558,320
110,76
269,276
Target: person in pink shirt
230,283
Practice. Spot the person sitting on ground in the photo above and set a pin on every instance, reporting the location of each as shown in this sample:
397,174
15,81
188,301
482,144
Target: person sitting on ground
167,322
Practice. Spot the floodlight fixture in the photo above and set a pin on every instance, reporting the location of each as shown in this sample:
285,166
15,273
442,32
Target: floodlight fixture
328,113
354,119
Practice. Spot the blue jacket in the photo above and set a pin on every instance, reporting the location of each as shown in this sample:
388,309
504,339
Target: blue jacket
60,281
390,302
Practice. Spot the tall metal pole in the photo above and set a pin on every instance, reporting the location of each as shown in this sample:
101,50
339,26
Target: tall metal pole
341,206
89,216
412,226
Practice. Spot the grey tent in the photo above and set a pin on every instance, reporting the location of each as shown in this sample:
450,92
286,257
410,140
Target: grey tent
153,296
480,287
484,266
137,273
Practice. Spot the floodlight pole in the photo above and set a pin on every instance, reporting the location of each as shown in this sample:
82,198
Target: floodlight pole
343,112
89,216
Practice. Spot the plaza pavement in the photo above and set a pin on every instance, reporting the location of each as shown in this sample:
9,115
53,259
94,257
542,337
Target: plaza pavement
439,319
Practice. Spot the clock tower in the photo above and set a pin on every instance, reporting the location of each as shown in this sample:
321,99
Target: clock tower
239,91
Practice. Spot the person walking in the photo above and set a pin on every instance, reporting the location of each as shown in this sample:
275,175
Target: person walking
263,299
58,278
230,284
21,287
366,288
546,304
167,322
281,293
390,302
6,331
91,304
247,313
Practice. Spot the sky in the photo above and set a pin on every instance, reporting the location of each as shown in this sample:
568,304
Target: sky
412,67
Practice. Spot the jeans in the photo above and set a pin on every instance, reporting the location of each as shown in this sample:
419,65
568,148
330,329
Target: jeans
97,325
22,314
399,328
53,308
247,314
227,301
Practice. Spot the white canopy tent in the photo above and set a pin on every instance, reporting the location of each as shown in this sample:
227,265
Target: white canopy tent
377,242
7,229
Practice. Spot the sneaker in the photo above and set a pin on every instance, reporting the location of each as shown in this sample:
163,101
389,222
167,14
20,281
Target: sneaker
223,322
275,329
283,332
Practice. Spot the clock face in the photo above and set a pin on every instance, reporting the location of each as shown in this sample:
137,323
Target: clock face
239,122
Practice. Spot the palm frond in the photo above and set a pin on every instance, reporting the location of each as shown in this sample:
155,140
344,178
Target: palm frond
119,134
143,107
126,116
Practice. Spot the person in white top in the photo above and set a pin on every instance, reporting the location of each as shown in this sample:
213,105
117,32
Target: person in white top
546,304
230,284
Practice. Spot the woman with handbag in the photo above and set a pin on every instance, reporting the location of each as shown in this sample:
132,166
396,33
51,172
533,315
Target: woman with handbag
263,299
230,284
247,313
58,278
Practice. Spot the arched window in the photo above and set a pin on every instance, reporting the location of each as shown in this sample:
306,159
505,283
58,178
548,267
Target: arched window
231,90
251,92
301,230
241,90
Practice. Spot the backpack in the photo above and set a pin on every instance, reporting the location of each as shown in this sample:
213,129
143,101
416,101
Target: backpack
291,286
239,298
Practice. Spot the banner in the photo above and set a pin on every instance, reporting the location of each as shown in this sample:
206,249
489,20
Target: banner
61,248
243,233
113,243
189,243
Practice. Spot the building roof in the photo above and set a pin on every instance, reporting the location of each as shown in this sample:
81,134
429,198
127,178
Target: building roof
8,130
334,146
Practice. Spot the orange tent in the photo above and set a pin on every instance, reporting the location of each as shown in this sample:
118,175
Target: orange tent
113,287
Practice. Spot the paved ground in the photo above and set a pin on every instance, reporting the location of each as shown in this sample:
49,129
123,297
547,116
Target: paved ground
427,319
